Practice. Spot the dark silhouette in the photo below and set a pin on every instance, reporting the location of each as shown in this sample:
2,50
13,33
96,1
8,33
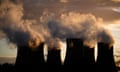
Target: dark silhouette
78,56
105,59
30,60
54,63
88,60
7,67
118,68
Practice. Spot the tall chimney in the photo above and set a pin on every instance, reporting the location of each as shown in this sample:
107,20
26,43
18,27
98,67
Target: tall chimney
78,56
54,63
28,59
105,58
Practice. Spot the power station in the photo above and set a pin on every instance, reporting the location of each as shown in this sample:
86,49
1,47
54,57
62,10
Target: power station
30,60
105,59
79,57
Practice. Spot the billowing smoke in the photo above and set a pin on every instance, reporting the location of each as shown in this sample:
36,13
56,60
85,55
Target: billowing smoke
77,25
63,1
52,28
105,36
16,28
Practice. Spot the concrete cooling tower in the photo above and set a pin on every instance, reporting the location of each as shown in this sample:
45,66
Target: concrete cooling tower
105,58
78,56
54,63
30,60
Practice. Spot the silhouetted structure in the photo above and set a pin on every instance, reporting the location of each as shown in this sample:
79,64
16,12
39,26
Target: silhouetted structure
7,68
0,67
88,60
54,63
78,56
105,59
28,59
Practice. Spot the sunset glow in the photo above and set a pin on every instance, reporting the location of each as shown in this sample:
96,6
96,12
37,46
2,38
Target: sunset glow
32,22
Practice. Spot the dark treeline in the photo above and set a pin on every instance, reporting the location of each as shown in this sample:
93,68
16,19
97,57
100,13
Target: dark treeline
6,67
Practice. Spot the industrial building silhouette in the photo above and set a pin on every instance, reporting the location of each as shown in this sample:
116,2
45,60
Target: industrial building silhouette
29,60
78,58
105,59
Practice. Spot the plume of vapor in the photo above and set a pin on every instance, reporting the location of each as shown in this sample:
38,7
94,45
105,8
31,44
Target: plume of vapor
54,44
16,28
106,37
52,28
77,25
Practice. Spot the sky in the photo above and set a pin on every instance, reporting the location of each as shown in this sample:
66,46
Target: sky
7,50
21,14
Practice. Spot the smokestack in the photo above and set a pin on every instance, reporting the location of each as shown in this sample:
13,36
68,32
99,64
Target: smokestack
54,63
105,58
27,59
78,56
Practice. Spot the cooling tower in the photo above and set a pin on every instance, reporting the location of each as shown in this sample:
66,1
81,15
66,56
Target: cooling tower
54,63
78,56
105,58
88,59
30,60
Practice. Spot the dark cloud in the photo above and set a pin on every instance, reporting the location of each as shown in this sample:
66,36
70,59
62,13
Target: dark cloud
34,8
28,22
16,28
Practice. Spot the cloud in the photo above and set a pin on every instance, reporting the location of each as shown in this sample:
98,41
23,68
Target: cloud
2,35
115,30
63,1
116,0
77,25
116,21
50,27
16,28
116,9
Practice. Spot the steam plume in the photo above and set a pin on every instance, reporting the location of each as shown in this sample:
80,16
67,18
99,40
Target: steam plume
16,28
76,25
52,28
